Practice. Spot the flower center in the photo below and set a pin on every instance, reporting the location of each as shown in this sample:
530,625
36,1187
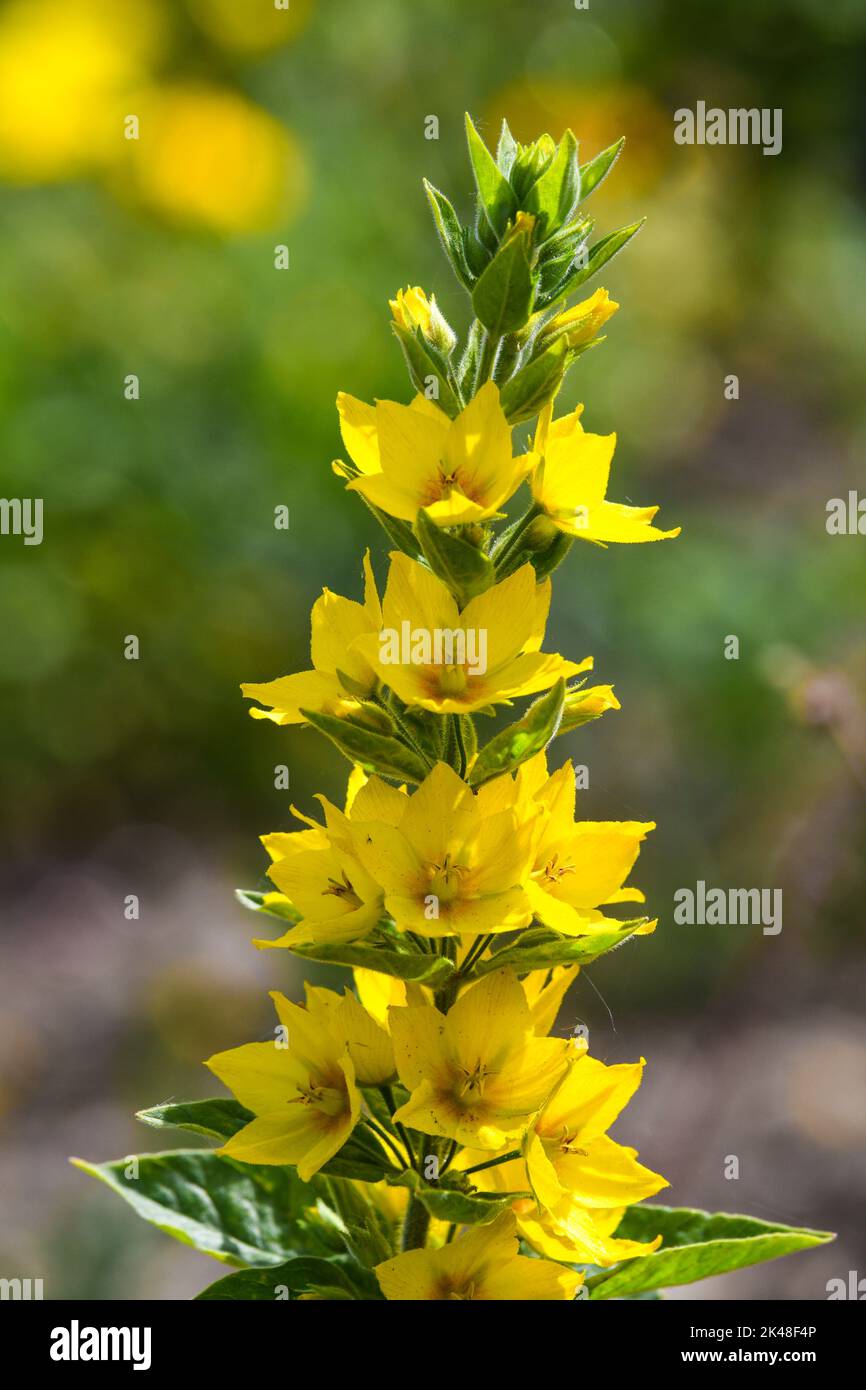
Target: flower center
445,879
554,871
326,1099
472,1085
451,680
342,890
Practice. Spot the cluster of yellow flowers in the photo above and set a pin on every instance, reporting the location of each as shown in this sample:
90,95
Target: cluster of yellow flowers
456,881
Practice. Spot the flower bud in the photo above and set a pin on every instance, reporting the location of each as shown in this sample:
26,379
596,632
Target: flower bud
580,324
413,310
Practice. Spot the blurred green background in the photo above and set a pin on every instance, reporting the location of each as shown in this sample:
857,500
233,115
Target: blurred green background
155,257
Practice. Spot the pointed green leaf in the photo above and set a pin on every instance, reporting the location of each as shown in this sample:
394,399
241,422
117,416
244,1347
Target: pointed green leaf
534,385
522,740
405,965
506,150
596,170
502,299
422,365
602,252
450,234
539,948
237,1212
494,190
256,902
463,567
696,1245
219,1118
376,752
553,197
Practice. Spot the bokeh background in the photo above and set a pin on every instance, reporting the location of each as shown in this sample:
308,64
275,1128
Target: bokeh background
305,128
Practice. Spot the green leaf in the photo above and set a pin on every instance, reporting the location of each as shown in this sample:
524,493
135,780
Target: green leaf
506,150
553,197
450,234
422,365
696,1245
405,965
219,1118
531,734
450,1201
494,190
255,902
534,385
602,252
400,532
464,1208
237,1212
596,170
544,562
540,948
377,752
502,298
463,567
272,1285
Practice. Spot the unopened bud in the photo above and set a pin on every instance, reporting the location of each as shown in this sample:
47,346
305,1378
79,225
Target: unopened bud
413,310
581,324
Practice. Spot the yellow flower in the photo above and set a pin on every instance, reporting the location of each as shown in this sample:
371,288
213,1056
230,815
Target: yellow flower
446,867
481,1265
545,991
580,324
577,866
320,876
477,1073
366,1042
577,1235
337,624
570,1158
570,484
414,456
434,656
301,1088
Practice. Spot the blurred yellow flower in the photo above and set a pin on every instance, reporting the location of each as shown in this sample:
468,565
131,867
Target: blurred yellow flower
251,26
208,157
65,74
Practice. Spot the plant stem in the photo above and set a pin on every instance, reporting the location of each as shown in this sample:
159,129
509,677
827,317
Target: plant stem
385,1138
486,361
510,539
460,745
492,1162
416,1225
